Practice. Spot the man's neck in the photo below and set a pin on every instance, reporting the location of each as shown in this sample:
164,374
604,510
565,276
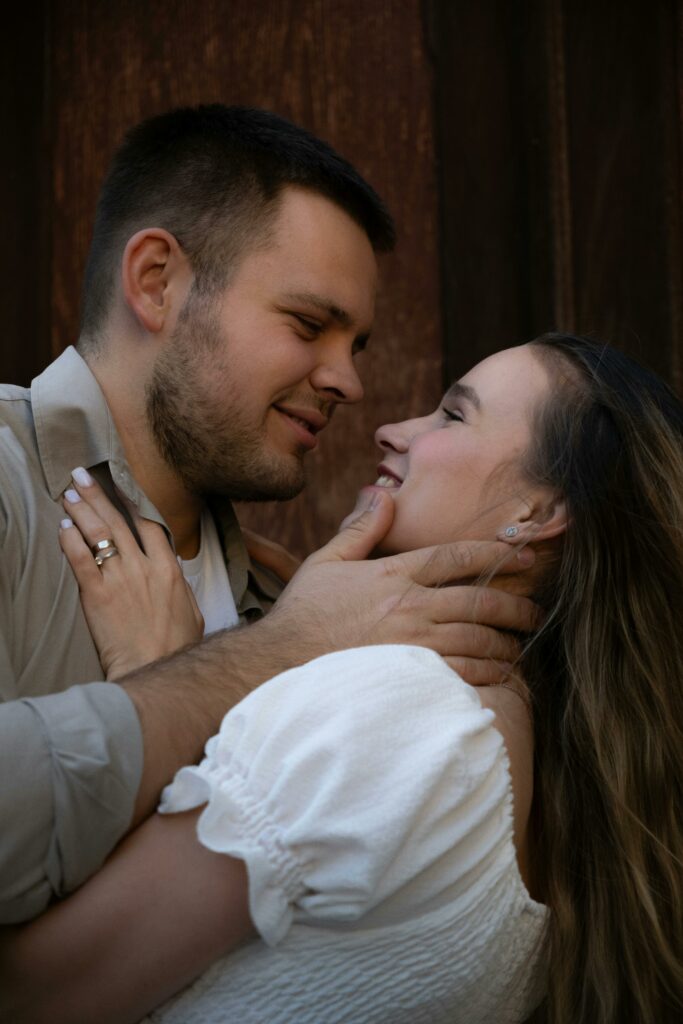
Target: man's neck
180,508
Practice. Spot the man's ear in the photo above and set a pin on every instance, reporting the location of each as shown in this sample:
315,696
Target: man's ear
154,270
542,519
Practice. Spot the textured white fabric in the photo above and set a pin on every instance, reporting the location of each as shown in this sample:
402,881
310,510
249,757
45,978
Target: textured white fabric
369,795
208,578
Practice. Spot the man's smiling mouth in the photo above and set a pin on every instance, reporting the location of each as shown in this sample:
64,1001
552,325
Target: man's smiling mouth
310,419
306,423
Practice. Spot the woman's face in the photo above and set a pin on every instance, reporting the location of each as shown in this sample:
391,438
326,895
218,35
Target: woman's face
456,473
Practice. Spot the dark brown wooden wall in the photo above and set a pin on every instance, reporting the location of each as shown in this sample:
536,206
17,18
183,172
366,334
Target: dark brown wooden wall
530,150
25,172
560,136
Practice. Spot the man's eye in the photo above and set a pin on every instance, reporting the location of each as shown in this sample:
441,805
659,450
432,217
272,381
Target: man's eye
311,326
452,415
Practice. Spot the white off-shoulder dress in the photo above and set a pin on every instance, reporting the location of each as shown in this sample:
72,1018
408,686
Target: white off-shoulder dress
369,794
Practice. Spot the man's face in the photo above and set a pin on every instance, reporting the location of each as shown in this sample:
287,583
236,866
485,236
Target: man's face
251,375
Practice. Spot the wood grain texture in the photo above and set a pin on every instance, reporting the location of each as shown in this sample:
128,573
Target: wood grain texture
559,137
624,134
24,201
481,138
355,74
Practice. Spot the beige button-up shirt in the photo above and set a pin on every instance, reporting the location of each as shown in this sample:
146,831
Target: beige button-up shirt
70,745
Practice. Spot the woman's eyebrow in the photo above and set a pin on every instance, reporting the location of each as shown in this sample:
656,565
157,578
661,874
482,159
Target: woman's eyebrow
459,390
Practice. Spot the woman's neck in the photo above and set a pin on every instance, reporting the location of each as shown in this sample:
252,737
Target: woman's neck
528,582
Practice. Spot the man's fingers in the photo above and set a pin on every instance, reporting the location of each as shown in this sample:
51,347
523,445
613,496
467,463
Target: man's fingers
445,563
472,640
487,606
480,671
362,531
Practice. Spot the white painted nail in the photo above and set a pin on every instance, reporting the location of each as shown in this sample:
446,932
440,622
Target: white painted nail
82,477
66,523
72,496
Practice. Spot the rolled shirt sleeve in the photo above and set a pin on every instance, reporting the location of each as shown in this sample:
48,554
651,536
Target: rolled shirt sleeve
70,767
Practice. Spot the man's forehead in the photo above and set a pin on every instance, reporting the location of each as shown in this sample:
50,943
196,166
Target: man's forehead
316,253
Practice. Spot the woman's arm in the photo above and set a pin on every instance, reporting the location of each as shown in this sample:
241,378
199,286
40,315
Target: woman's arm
161,910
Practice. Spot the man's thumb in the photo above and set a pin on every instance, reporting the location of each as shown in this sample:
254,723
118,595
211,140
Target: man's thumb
364,528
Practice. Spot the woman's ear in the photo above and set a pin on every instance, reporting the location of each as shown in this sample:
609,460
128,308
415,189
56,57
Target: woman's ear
153,270
543,520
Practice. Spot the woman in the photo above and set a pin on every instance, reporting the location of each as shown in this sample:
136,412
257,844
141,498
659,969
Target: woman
415,849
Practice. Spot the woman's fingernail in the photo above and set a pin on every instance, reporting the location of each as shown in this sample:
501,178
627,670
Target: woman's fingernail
82,477
526,556
66,523
367,501
72,496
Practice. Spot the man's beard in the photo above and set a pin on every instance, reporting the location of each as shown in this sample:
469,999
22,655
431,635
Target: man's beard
210,441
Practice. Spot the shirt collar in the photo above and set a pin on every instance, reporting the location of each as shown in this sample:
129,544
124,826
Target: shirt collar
73,424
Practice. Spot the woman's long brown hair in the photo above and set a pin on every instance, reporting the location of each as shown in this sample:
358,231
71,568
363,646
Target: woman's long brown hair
606,676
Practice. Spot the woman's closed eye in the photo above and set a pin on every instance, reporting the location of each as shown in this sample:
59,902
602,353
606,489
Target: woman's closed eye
451,415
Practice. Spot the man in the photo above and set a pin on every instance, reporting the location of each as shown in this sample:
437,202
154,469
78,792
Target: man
230,282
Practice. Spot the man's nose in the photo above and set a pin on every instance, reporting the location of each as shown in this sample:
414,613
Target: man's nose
336,377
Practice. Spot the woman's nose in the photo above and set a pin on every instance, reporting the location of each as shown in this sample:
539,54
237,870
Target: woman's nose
393,437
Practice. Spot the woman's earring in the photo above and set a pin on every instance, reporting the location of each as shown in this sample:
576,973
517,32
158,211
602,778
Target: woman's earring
509,533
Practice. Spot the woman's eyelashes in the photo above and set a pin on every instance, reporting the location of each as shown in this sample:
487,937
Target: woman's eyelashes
451,415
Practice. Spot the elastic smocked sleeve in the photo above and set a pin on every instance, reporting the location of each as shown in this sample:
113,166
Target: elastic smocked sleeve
70,767
366,785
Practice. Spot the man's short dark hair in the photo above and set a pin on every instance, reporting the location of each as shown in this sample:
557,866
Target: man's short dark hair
212,176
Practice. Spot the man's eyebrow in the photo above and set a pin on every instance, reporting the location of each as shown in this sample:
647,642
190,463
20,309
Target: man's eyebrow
459,390
323,304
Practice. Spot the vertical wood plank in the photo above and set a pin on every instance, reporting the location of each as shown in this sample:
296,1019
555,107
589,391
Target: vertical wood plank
24,212
559,145
623,114
482,156
559,178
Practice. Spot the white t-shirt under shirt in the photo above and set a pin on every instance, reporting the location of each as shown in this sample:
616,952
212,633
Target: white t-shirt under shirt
369,794
208,578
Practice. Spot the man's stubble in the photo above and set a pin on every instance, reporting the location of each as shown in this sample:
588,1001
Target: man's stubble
205,433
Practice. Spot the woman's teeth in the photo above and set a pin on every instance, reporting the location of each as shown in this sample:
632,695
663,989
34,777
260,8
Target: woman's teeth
386,481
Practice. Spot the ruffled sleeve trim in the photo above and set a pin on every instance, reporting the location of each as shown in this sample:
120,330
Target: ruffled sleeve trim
234,822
